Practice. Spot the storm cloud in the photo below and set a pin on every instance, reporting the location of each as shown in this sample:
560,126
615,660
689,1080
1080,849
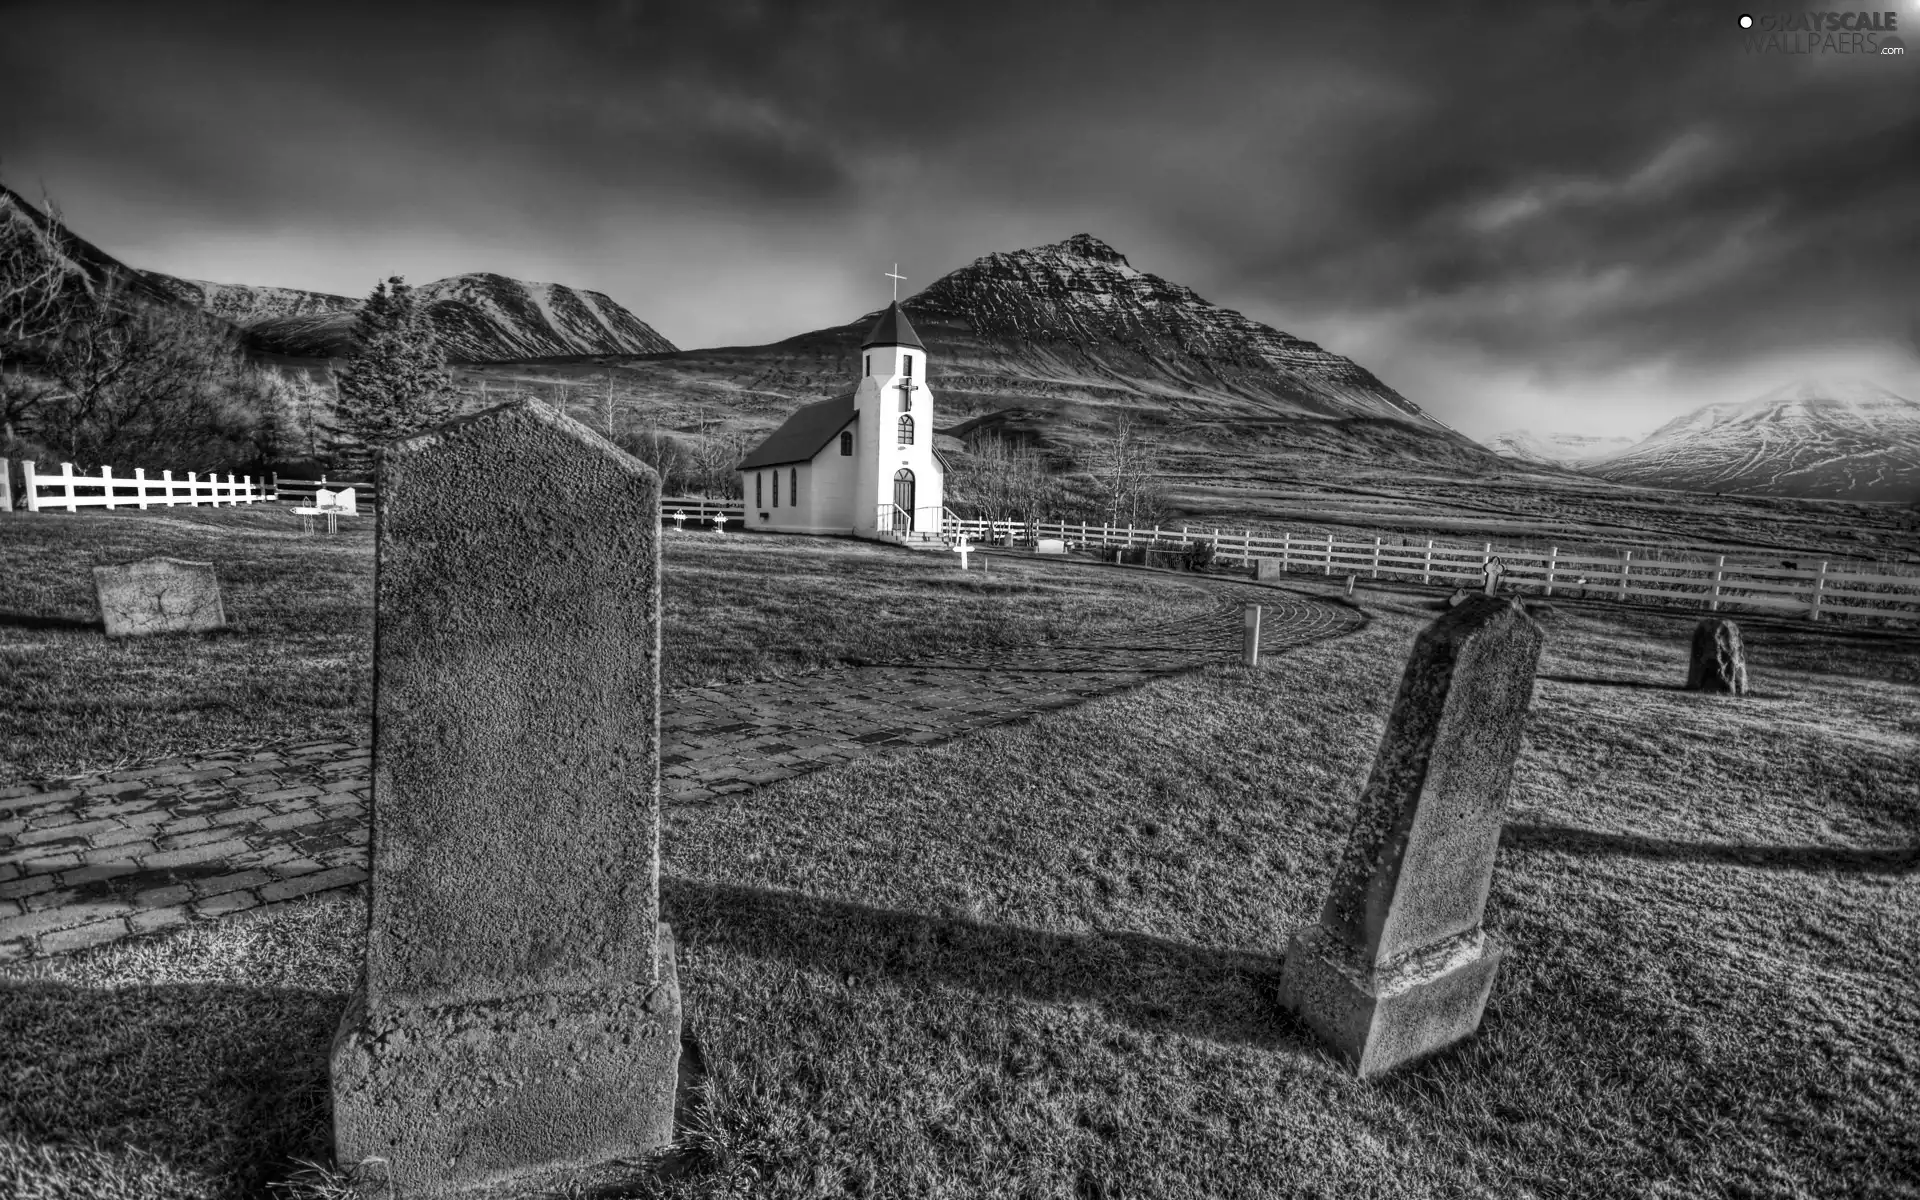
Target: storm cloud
1563,216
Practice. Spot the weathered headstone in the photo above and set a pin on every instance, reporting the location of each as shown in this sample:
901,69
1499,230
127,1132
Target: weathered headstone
1266,568
1050,546
520,1013
1719,661
158,595
1458,598
1492,572
1351,580
1399,965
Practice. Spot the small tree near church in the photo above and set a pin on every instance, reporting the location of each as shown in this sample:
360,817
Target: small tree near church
395,383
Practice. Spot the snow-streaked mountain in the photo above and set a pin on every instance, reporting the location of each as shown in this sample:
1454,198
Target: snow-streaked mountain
481,317
1816,439
1558,449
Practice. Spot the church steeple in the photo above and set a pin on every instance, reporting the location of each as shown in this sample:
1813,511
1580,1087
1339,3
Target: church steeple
892,329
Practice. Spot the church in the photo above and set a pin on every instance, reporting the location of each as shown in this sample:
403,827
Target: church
862,464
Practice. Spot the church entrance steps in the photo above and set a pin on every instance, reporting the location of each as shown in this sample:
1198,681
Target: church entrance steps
95,859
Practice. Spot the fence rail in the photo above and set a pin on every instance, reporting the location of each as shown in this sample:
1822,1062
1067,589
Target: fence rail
307,491
1811,591
701,510
107,490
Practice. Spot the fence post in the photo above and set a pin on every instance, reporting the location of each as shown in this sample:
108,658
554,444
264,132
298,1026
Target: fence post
1486,556
6,486
32,483
1626,564
1286,551
106,478
1329,566
1819,586
1553,558
166,477
1250,635
140,486
66,483
1426,572
1719,570
1376,556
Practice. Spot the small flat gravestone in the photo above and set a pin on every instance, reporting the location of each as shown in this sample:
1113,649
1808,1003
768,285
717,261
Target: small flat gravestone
1719,659
1458,598
1399,965
520,1011
1050,546
1266,568
159,595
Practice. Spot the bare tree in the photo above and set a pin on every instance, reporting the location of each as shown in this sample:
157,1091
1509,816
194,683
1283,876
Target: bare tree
1125,469
40,286
716,454
1000,480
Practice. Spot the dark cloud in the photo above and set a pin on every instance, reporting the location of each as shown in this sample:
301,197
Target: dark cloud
1547,191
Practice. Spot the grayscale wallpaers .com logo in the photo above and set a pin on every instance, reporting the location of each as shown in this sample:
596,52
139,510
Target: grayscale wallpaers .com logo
1810,32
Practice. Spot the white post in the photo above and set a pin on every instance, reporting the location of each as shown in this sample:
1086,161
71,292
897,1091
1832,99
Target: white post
1486,556
106,478
232,496
1719,572
1286,551
33,485
1626,564
1250,635
1129,535
1426,573
1329,566
66,483
1819,586
166,477
140,485
1553,558
1376,560
193,489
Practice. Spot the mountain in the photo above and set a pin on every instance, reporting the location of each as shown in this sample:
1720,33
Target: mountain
1832,440
99,268
1048,345
1559,449
481,317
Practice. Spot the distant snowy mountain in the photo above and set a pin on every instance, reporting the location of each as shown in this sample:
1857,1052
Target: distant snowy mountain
1815,439
481,317
1560,449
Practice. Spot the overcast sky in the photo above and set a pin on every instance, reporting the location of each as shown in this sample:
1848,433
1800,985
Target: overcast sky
1562,216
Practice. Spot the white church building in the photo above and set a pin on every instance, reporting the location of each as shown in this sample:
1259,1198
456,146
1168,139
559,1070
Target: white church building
863,463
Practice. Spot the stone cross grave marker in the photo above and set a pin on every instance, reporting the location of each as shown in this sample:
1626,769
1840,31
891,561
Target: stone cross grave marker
1493,570
720,522
962,549
159,595
520,1012
1719,662
1399,965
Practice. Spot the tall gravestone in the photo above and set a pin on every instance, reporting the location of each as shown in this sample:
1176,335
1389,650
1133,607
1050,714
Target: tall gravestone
1399,965
520,1013
158,595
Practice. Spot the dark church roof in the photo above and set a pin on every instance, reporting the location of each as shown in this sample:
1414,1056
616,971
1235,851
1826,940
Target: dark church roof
804,434
892,329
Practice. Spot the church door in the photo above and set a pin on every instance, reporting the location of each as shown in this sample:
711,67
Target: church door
903,501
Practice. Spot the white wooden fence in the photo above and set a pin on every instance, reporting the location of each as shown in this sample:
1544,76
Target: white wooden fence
107,490
700,510
1860,588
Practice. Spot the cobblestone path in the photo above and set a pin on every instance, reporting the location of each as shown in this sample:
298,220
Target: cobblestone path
92,860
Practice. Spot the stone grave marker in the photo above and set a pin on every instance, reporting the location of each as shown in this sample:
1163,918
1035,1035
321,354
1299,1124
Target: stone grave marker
159,595
1266,568
1492,572
1351,580
1399,965
1050,546
1719,662
520,1011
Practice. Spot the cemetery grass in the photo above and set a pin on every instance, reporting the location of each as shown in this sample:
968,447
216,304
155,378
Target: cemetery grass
1040,960
295,662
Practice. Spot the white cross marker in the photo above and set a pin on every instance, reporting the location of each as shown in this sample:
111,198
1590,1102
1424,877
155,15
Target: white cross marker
896,279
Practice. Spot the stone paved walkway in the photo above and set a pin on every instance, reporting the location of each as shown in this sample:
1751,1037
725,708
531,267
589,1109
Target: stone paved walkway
93,860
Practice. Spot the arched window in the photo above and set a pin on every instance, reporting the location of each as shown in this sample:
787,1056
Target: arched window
846,443
776,488
759,498
793,486
906,430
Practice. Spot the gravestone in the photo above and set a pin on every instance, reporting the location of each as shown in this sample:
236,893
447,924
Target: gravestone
1266,568
159,595
1399,965
1050,546
1492,572
520,1011
1458,598
1351,580
1719,661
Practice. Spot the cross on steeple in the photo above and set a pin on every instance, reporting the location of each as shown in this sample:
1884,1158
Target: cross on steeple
893,275
906,394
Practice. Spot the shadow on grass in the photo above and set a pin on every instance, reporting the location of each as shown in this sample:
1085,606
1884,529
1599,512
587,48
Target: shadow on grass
1587,681
1152,983
18,620
1890,860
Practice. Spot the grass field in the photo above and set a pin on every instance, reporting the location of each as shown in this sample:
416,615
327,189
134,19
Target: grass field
1040,961
297,659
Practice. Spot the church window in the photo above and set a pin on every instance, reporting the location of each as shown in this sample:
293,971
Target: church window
793,485
759,498
908,369
869,364
906,430
846,444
